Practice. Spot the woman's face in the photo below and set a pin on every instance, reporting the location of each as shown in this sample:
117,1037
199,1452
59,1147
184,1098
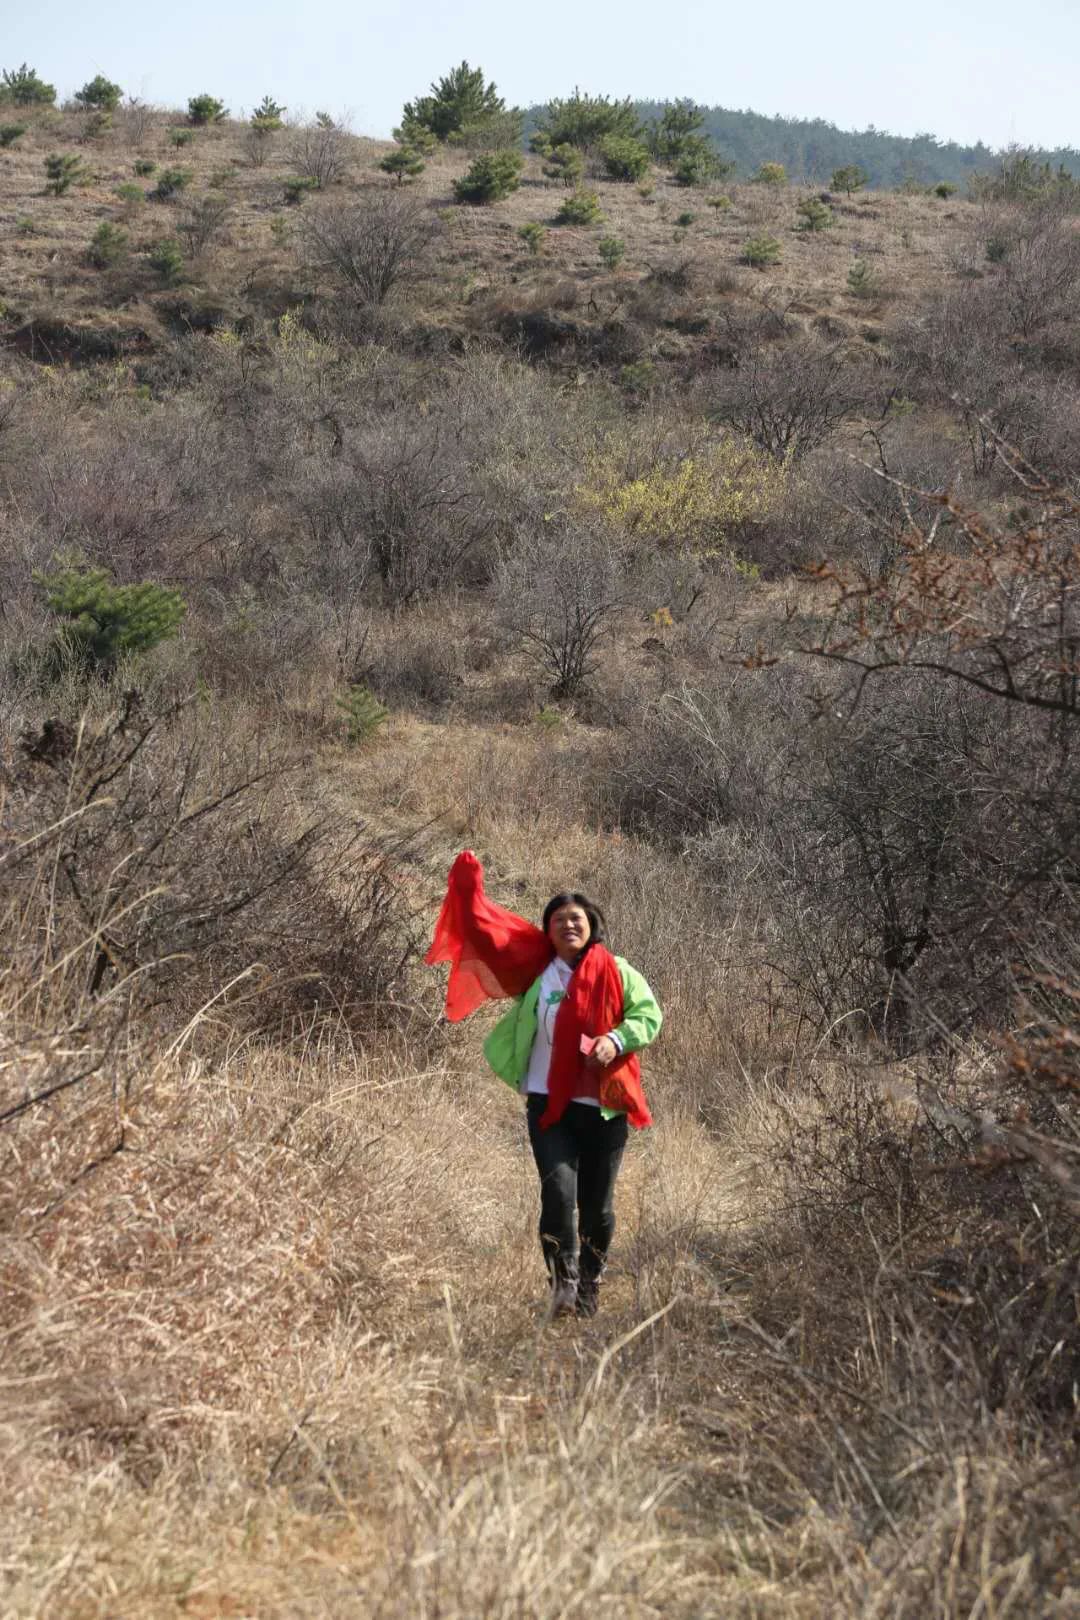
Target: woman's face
568,931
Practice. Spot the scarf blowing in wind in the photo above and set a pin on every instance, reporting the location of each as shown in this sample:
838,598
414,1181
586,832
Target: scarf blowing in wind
494,953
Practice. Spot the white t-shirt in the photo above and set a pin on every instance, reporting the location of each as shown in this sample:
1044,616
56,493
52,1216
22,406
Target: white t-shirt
554,982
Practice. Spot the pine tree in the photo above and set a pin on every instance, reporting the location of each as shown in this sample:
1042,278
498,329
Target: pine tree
206,109
166,258
267,115
849,178
611,250
403,163
760,251
862,283
623,157
460,102
679,125
585,121
582,208
492,176
99,93
22,87
170,182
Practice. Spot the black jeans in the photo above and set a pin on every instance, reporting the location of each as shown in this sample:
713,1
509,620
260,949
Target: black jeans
578,1159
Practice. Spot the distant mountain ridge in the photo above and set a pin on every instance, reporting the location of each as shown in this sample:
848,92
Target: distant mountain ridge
811,148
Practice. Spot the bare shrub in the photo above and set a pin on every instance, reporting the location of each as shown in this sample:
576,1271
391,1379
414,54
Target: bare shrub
556,590
259,140
961,356
202,223
375,246
995,609
406,511
135,120
320,152
136,496
912,857
859,508
1040,270
788,398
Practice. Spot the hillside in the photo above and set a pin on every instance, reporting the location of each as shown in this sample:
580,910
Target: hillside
481,272
729,574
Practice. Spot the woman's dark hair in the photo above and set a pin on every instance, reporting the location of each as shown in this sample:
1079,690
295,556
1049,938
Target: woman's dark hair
597,925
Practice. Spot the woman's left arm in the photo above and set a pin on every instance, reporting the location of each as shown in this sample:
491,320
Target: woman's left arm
641,1017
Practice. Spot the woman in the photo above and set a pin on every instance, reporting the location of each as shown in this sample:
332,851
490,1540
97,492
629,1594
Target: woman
569,1043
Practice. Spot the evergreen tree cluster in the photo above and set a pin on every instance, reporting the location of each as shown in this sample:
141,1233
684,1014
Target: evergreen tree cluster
811,149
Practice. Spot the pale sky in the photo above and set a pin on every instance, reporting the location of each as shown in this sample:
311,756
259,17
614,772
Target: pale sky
966,70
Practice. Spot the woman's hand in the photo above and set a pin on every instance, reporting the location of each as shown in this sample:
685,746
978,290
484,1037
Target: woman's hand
604,1052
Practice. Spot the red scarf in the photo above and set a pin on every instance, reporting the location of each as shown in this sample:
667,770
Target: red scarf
494,953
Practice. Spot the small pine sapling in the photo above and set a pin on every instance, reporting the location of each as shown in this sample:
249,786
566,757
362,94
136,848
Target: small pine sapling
491,177
533,234
760,251
166,258
849,178
267,115
583,208
363,714
99,93
296,188
403,164
612,250
813,215
62,171
108,245
102,621
24,87
565,164
170,183
862,283
624,158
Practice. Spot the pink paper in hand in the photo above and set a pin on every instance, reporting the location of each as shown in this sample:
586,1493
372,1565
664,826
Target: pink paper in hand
588,1042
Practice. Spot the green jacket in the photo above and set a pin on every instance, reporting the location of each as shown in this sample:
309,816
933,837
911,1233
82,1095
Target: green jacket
508,1046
